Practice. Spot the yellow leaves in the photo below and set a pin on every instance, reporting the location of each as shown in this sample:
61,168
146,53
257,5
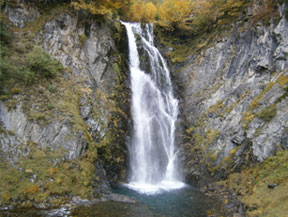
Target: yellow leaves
58,180
29,171
32,189
51,171
136,11
149,13
282,80
140,11
193,15
99,7
173,13
6,197
202,6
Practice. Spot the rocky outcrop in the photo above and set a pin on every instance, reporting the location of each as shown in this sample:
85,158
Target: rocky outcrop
52,135
19,13
234,99
89,110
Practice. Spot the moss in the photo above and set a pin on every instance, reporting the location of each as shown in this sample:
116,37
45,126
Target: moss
232,106
282,80
52,88
249,115
12,104
16,90
200,142
216,107
4,97
252,185
49,13
50,174
268,113
209,159
255,103
247,118
265,12
211,135
32,189
284,95
185,46
25,64
201,122
53,176
226,161
82,39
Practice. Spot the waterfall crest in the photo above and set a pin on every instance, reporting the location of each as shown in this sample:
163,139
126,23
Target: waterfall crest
154,111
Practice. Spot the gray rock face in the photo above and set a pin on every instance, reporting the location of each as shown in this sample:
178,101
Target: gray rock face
89,52
86,50
235,94
21,13
54,136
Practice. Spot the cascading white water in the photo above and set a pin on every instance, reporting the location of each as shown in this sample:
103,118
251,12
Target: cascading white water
154,112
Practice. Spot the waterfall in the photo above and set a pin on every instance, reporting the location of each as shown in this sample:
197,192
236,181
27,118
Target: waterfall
154,111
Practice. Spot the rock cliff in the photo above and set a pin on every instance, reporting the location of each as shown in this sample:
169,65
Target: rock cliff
232,85
66,136
78,120
233,95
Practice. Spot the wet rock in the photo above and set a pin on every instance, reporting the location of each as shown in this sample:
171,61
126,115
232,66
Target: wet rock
119,198
272,186
284,142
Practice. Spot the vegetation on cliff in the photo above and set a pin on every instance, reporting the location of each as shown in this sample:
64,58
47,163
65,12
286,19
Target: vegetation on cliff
263,188
49,94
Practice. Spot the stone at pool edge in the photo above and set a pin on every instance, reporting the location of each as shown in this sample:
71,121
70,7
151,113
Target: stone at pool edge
272,186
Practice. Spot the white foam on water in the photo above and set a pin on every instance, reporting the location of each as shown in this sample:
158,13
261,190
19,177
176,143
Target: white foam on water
153,189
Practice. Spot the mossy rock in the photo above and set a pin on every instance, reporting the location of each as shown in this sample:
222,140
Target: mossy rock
253,186
268,113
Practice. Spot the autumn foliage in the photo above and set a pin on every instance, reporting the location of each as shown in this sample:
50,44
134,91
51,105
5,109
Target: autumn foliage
185,15
142,12
214,12
265,10
98,7
174,13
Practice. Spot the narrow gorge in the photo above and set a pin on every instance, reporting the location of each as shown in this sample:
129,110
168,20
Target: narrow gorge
103,117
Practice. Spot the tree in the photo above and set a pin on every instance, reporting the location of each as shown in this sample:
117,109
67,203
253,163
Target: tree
98,7
149,13
142,12
136,11
174,13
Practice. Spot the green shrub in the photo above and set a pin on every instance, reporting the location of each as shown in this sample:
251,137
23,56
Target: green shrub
36,64
268,113
50,106
42,63
3,49
52,88
82,39
5,35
